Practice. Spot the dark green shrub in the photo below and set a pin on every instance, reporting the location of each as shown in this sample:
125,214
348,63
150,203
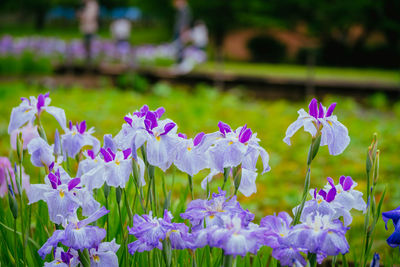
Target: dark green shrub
266,49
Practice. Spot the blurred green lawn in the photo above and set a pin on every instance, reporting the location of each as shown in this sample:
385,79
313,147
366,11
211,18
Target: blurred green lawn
301,72
202,108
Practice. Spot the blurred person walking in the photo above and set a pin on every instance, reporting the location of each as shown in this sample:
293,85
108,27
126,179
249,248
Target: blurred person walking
89,25
199,35
121,32
182,29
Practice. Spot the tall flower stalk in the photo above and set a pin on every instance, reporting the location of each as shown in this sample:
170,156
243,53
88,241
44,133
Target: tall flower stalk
373,210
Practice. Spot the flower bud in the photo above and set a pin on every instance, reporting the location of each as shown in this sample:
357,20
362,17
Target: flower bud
12,202
106,190
20,147
57,143
118,193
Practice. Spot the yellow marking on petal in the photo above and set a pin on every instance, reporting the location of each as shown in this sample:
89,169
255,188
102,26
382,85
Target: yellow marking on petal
319,200
330,123
211,216
96,258
189,148
117,162
230,143
282,235
26,111
62,194
158,138
73,133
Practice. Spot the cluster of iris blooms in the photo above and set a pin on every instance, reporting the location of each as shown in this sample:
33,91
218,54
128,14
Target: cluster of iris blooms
316,231
101,51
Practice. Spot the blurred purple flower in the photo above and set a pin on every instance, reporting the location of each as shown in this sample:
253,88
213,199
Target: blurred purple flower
5,180
29,132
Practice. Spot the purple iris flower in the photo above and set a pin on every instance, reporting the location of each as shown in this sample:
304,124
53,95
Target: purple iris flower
151,231
212,210
375,260
77,235
394,215
145,126
104,254
111,166
276,230
275,227
320,234
132,134
335,200
289,255
41,153
64,259
63,196
32,108
234,148
192,155
320,120
233,237
76,137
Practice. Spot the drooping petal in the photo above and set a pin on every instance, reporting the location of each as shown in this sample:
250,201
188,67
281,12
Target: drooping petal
58,114
304,120
248,182
20,115
58,236
37,192
337,135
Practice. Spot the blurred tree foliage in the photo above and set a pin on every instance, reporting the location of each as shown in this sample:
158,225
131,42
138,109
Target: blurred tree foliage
331,22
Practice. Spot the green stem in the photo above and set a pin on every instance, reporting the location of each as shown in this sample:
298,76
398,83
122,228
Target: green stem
122,234
304,197
314,147
312,258
190,180
15,242
151,170
22,214
227,260
226,176
128,208
84,258
108,224
148,195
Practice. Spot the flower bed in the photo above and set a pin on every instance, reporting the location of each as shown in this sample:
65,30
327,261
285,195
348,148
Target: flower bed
81,174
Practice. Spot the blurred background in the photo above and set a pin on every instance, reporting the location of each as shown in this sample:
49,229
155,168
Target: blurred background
239,61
